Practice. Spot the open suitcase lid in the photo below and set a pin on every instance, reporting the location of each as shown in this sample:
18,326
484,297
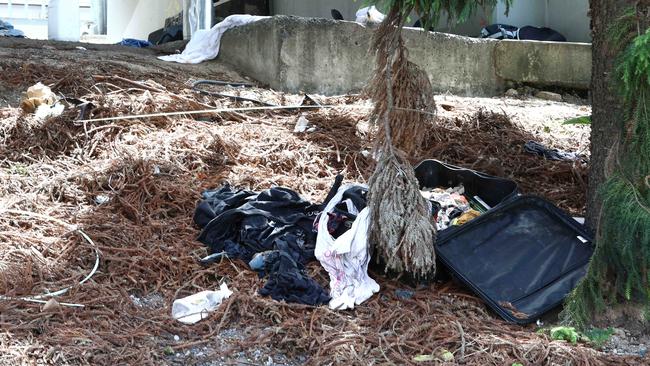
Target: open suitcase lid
522,257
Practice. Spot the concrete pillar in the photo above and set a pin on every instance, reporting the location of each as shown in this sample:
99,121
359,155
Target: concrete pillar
63,23
98,8
118,16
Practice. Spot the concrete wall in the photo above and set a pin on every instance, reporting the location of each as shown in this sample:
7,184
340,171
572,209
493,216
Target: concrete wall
544,63
328,57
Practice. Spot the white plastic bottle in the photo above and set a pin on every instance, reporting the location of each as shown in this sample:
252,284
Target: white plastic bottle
193,308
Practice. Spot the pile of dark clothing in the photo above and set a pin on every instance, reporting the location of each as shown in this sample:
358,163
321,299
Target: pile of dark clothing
536,148
505,31
273,230
8,30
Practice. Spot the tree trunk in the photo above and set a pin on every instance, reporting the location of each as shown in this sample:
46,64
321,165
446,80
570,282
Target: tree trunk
606,104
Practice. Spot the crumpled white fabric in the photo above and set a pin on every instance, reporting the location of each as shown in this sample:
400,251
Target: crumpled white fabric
204,44
346,258
369,15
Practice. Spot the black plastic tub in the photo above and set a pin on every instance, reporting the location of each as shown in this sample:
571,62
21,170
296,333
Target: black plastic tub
492,190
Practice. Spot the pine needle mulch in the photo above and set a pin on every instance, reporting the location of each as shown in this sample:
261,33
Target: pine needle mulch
132,186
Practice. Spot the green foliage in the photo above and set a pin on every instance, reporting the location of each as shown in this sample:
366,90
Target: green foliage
634,68
430,11
598,336
622,30
582,120
622,257
620,266
517,364
568,334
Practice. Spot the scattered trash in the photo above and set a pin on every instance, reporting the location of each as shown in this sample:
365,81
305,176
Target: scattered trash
137,43
346,257
177,338
194,308
555,97
369,15
36,96
471,188
8,30
424,358
447,106
551,154
212,258
259,260
451,207
51,306
512,93
44,112
101,199
446,356
81,48
302,124
41,101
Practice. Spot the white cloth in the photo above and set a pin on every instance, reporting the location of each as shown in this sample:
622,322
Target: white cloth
204,44
346,258
369,15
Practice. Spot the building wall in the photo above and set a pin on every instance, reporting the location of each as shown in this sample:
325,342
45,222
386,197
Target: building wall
523,12
315,8
32,19
138,18
568,17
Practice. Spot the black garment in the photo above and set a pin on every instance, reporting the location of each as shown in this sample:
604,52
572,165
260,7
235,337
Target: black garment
551,154
289,282
540,34
276,223
336,15
245,223
217,201
505,31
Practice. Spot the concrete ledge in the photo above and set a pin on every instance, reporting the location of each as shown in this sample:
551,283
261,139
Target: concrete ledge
330,57
544,63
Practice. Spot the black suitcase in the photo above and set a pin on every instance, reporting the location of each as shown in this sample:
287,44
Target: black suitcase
522,257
